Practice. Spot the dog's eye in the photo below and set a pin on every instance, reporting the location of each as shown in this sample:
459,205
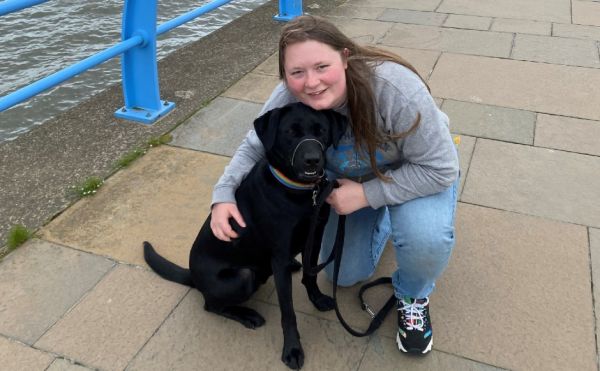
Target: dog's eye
318,130
294,130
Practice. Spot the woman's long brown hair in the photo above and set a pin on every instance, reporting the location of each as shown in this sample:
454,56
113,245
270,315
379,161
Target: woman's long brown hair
361,60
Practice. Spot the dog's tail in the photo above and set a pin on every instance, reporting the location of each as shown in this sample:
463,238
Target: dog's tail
166,269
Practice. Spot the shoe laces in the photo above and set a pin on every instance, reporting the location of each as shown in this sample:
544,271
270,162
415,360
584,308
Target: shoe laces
413,310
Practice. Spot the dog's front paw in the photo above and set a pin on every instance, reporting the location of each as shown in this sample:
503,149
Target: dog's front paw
293,356
323,302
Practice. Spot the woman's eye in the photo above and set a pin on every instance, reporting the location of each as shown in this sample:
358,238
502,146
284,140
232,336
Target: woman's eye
322,67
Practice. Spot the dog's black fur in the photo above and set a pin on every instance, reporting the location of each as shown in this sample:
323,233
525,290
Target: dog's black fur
277,222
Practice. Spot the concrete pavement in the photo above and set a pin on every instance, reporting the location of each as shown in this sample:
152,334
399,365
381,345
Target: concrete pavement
520,81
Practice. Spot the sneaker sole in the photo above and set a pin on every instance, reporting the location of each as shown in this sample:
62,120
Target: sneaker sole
413,350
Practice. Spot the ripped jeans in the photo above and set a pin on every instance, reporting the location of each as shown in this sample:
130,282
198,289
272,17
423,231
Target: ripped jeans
421,231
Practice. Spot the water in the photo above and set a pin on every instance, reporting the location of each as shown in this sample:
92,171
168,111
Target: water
43,39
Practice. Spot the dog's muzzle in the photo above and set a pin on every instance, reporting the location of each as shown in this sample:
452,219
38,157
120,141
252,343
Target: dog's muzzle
302,142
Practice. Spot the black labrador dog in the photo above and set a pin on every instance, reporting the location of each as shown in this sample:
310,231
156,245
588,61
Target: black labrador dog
276,201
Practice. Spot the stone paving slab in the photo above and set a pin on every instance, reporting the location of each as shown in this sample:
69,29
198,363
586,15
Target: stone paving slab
363,31
413,16
586,12
491,122
556,50
382,354
538,10
425,5
253,88
164,197
574,135
192,338
43,275
270,66
17,356
465,153
218,128
595,262
521,26
423,60
359,12
60,364
468,22
502,299
493,44
115,320
536,181
538,87
576,31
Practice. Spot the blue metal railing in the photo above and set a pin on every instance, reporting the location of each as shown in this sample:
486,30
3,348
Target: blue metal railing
138,64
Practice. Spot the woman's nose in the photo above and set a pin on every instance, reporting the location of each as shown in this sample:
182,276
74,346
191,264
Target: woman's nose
312,80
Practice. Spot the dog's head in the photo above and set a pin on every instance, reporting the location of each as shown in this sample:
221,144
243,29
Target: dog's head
296,137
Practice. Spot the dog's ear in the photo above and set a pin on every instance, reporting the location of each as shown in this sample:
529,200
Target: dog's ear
266,127
338,124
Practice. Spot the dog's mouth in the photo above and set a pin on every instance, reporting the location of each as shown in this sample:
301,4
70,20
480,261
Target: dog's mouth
311,176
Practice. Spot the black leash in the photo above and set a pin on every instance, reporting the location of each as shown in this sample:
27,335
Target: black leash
319,216
336,256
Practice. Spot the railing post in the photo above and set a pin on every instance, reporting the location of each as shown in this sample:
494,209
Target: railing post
139,67
288,10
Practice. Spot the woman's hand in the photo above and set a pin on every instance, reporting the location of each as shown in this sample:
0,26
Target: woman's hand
219,222
348,197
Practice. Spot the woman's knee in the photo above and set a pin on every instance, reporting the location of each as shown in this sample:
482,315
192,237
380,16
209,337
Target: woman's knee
427,240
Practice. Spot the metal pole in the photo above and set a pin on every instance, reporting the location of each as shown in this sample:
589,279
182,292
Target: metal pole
139,66
288,10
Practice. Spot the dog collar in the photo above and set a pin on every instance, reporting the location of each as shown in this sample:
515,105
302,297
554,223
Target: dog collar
289,182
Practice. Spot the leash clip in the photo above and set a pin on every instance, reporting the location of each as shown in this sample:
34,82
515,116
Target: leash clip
366,307
314,195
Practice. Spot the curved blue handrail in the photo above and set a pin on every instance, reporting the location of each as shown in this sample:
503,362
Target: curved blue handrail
138,47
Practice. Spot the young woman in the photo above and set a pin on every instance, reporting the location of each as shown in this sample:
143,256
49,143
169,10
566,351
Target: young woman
397,165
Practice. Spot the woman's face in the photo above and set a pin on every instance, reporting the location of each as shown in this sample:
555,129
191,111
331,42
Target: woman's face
316,74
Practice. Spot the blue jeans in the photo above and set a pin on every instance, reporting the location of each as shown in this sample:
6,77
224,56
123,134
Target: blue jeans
421,231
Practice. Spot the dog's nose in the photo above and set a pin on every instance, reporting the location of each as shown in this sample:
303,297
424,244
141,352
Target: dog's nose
312,159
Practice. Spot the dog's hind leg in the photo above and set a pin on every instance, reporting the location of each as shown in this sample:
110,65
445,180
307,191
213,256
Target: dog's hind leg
233,286
246,316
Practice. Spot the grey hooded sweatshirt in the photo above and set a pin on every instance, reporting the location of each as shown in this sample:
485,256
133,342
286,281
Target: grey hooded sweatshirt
420,164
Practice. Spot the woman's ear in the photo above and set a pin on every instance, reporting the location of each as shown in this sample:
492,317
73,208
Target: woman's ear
345,55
